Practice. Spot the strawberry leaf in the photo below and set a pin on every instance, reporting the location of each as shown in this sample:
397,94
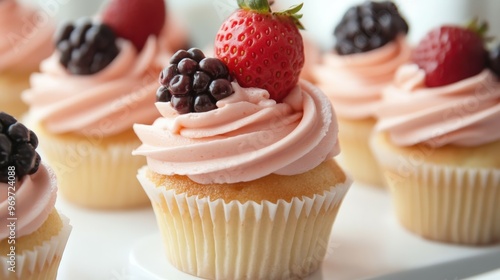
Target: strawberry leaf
261,6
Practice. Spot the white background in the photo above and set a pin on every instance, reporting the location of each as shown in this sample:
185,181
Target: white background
203,17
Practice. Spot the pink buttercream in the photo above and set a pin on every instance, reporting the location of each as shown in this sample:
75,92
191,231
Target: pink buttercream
465,113
35,196
247,137
354,82
109,102
26,37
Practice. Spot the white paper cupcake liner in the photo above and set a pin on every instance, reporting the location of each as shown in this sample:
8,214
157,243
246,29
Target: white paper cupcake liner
219,240
443,202
451,204
96,176
42,261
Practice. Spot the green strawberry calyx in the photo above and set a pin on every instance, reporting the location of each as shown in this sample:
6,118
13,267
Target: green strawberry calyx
262,6
481,28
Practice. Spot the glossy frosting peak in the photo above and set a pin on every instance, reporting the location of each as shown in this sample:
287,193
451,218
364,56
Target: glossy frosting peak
354,82
34,200
26,37
247,137
110,101
465,113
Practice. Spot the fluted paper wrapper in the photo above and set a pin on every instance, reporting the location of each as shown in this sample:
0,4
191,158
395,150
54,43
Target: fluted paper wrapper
219,240
443,202
41,262
94,175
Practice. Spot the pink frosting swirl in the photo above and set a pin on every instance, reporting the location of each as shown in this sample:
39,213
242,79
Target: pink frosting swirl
465,113
26,37
247,137
110,101
354,82
35,197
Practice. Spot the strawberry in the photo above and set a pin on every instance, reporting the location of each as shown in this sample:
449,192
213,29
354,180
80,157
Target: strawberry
135,20
449,54
262,48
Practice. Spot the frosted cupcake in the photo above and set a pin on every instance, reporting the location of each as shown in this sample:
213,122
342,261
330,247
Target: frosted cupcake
243,186
437,141
33,234
369,49
86,98
26,40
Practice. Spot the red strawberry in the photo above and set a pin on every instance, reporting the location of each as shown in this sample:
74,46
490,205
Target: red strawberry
449,54
261,48
135,20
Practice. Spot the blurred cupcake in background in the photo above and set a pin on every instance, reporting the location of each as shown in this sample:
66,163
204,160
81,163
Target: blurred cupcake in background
370,45
99,82
33,234
27,35
438,139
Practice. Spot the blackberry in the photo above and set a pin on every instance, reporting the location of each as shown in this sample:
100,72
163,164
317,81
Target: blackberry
368,26
494,60
86,47
193,82
17,148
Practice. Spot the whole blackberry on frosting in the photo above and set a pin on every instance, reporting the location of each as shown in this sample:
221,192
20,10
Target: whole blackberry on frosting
368,26
31,229
101,79
194,83
87,47
370,45
437,138
17,148
244,149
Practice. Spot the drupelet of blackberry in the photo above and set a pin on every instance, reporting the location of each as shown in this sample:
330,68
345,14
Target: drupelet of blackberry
193,82
17,149
368,26
86,47
494,60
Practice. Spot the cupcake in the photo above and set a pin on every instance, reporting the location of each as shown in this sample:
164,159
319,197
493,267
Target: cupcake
436,139
243,186
33,234
370,46
101,79
26,40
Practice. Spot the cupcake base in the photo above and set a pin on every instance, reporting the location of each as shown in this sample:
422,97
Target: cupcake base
11,86
357,157
38,255
220,234
93,171
440,200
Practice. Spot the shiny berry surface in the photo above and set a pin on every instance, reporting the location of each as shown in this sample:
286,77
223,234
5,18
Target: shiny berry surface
85,47
449,54
17,149
368,26
193,83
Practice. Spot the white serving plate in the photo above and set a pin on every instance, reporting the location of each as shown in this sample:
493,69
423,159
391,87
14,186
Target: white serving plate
367,243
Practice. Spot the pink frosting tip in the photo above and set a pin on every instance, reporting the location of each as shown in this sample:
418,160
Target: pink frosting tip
35,197
247,137
354,83
108,102
26,36
465,113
